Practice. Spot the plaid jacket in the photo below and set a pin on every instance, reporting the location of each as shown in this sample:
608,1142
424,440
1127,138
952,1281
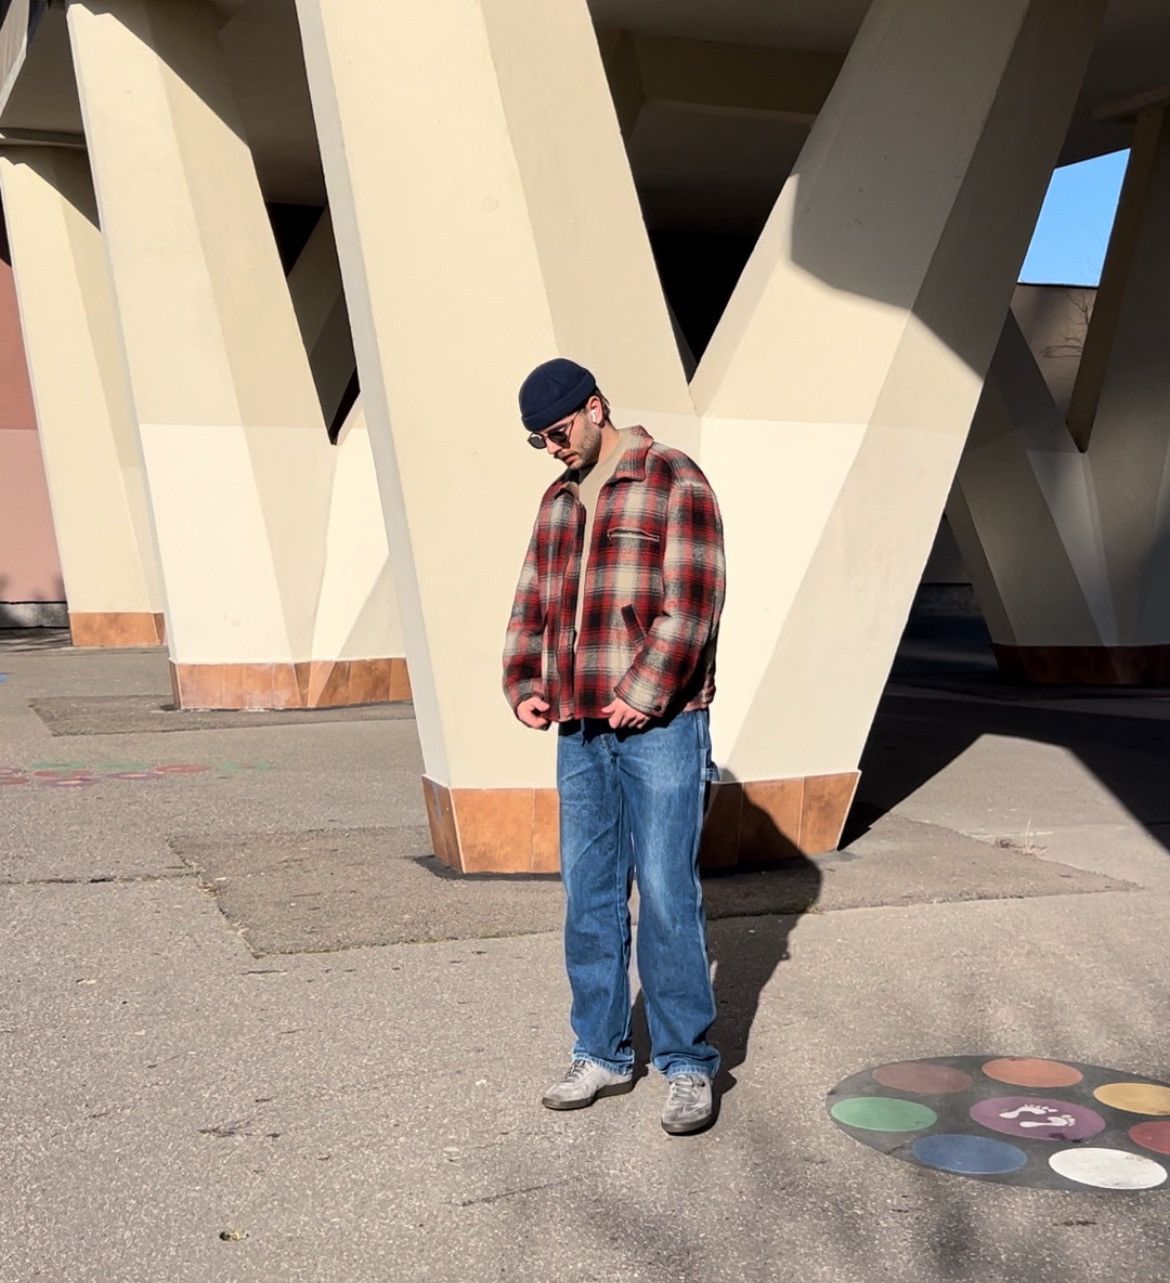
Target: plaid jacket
653,589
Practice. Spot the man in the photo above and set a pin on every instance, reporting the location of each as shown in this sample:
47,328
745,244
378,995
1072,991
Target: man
612,638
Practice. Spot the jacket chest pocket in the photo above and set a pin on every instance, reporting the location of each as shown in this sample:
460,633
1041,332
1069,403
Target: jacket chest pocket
635,540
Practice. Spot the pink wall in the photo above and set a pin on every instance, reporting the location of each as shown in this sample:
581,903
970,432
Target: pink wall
29,567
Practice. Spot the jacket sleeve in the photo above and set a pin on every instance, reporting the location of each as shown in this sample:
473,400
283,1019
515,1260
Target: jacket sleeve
693,581
524,642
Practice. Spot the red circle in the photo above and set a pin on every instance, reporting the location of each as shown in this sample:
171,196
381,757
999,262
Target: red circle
181,768
1024,1071
1155,1136
923,1079
13,779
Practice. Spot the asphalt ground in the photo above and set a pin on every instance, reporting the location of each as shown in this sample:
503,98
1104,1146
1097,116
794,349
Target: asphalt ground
250,1030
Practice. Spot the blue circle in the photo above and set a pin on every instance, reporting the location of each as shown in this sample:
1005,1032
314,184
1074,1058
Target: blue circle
968,1155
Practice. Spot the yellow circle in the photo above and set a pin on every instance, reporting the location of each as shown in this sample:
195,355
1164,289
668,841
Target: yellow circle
1135,1098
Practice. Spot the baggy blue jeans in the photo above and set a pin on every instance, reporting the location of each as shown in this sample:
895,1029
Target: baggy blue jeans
632,807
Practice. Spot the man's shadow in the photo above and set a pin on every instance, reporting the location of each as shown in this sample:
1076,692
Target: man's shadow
752,910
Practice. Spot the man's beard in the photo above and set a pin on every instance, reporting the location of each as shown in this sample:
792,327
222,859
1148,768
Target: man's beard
590,446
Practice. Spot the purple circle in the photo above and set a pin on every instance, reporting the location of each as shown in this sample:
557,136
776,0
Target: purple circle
1037,1118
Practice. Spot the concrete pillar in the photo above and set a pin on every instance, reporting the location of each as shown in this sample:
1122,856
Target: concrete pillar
240,470
358,609
87,429
318,299
1022,511
834,397
840,384
1066,526
461,275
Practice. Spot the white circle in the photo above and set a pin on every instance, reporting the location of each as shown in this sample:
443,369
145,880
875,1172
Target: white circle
1108,1168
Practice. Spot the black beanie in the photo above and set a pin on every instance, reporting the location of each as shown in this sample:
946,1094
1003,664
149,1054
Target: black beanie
553,390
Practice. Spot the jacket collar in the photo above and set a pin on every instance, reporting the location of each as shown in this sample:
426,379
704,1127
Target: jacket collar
631,465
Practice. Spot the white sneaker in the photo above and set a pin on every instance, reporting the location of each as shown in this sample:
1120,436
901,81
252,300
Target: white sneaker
583,1083
689,1105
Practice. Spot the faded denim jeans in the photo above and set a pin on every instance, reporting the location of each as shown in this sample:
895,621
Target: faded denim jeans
632,807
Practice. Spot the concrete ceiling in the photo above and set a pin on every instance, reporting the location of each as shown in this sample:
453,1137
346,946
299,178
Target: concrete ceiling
806,24
694,166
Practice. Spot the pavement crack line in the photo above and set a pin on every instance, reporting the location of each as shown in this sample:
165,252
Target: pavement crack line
509,1193
100,880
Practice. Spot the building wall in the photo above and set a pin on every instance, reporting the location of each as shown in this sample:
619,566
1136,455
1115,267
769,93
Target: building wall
1054,320
31,589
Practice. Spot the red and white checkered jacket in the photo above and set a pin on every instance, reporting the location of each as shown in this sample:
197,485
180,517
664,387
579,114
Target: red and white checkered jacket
654,588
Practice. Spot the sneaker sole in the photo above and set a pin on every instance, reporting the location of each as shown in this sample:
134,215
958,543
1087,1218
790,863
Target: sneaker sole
689,1129
614,1089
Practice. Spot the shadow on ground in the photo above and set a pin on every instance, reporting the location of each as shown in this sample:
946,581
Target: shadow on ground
945,694
32,639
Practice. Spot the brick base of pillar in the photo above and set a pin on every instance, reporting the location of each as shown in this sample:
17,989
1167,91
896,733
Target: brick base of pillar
113,628
316,683
1085,665
751,824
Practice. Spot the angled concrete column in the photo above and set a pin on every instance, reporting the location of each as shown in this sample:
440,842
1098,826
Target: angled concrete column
87,428
357,611
1022,511
318,299
839,387
461,275
240,470
835,396
1070,547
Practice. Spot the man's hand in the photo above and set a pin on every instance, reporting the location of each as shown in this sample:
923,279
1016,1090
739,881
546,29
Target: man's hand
531,712
620,714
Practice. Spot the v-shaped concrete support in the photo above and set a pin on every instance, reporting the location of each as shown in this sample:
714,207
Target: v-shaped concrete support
1066,528
270,539
487,219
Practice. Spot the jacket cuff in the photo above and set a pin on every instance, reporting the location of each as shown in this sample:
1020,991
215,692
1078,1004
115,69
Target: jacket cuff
641,695
518,692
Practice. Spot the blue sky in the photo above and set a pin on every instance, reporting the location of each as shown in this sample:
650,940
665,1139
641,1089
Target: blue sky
1073,231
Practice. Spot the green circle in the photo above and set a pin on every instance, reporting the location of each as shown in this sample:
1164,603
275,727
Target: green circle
883,1114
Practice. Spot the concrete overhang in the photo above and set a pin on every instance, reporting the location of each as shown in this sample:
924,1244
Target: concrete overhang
714,98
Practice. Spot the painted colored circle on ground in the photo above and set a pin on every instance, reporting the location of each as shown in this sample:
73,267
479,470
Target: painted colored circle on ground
1037,1118
922,1078
1108,1168
1023,1071
970,1126
182,768
1135,1098
968,1155
1155,1136
883,1114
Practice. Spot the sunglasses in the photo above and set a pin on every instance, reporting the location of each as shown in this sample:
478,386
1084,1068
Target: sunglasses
558,435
